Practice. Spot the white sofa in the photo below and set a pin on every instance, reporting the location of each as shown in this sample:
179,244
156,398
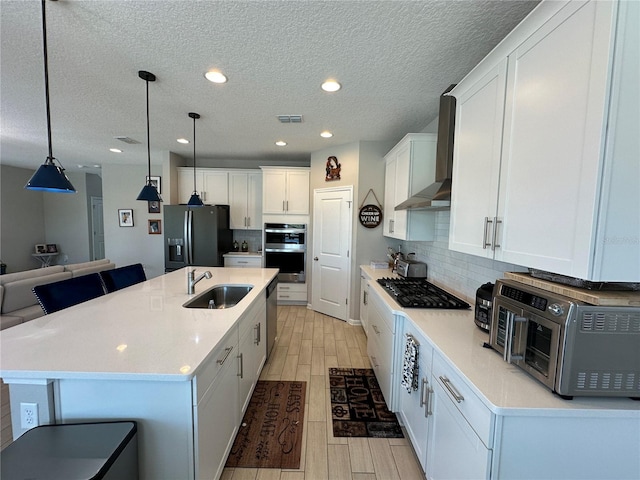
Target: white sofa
18,304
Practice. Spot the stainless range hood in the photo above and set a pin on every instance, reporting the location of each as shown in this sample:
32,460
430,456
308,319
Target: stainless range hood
437,196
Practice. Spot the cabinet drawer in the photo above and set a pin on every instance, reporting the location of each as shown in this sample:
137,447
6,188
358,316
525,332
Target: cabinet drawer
296,292
466,401
243,261
380,351
224,353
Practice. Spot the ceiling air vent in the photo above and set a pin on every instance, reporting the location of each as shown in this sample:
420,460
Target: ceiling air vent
290,118
128,140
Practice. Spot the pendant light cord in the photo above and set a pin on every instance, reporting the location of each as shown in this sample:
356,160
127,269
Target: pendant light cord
148,138
46,82
194,153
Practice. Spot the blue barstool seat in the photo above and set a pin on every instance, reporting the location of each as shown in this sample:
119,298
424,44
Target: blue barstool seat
66,293
123,277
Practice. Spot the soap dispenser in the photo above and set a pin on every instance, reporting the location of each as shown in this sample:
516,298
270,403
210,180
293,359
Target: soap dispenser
245,246
235,245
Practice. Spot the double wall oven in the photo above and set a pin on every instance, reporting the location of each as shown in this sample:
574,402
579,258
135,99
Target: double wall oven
285,247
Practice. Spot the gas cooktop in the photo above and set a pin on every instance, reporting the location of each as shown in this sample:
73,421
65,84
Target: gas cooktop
418,293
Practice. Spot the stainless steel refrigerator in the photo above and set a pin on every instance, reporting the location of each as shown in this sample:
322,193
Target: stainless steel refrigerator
196,236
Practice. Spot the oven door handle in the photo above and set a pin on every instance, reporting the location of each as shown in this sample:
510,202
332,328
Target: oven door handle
285,250
514,331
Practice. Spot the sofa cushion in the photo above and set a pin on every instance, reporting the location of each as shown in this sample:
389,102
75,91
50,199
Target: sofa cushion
36,272
7,321
29,313
18,294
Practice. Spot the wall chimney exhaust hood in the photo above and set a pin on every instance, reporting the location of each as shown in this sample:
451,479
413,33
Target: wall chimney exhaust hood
437,196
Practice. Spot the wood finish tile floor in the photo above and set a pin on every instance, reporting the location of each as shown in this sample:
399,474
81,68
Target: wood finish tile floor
310,343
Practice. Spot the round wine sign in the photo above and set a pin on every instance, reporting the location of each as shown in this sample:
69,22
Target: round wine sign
370,216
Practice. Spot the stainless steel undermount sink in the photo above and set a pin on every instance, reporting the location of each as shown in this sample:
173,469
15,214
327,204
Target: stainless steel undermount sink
220,296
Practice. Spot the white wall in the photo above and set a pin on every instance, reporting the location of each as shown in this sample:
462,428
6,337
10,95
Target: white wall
21,219
121,184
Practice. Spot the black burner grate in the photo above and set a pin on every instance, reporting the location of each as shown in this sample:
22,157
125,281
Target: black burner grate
418,293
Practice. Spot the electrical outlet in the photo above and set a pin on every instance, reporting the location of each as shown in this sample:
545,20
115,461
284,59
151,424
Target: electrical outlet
28,415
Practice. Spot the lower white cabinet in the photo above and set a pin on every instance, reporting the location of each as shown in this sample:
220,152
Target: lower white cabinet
415,406
380,345
454,449
292,293
216,416
364,302
243,261
252,351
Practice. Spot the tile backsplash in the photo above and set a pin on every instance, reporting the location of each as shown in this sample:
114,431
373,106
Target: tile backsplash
458,272
252,237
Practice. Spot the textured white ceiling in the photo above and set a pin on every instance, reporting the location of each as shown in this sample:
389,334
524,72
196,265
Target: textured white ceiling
393,58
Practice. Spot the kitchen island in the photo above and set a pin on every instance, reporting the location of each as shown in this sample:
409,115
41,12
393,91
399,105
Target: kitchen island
138,354
502,421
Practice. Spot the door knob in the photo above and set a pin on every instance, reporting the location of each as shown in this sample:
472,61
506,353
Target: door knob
315,259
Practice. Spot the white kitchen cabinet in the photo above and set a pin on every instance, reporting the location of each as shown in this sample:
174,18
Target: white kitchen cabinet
245,199
414,408
567,147
239,260
380,346
252,351
364,303
409,168
285,191
292,293
211,184
216,415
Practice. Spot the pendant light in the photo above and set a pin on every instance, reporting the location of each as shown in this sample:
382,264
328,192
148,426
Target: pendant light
195,200
149,193
49,177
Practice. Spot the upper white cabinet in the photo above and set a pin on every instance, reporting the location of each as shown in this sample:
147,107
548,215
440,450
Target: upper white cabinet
285,191
546,145
211,184
409,168
245,199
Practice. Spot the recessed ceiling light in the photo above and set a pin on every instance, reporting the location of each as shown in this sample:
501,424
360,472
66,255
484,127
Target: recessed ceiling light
115,150
331,86
183,140
215,76
326,134
281,143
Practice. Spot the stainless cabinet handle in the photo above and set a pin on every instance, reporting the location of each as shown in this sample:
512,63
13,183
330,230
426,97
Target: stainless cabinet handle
375,362
248,221
495,233
425,382
287,205
241,373
408,335
283,296
429,402
283,209
282,287
375,329
227,351
447,383
391,226
258,332
365,298
485,242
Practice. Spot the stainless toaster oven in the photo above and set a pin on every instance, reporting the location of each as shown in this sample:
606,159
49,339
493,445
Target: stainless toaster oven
412,269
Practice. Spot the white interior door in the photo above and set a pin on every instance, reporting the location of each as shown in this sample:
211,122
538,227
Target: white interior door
97,227
331,244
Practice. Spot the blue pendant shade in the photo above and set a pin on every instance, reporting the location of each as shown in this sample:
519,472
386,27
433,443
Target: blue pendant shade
149,193
49,177
195,200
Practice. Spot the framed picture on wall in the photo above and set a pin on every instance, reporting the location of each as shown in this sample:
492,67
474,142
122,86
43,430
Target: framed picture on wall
125,217
154,207
155,181
155,227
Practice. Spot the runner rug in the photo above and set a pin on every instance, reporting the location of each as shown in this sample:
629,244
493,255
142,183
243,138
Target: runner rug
358,408
270,435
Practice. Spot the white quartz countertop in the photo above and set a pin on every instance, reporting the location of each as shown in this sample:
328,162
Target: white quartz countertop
505,389
141,332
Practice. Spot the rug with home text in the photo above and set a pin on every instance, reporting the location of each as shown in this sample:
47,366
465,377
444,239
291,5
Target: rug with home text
358,408
270,435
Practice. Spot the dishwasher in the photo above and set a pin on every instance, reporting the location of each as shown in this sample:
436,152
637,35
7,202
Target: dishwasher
272,314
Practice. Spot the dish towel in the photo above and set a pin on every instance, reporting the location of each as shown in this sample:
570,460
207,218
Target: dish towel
410,365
